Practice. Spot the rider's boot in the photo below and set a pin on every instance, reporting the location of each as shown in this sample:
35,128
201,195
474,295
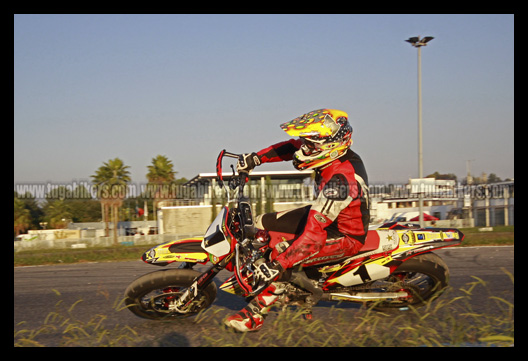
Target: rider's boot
251,317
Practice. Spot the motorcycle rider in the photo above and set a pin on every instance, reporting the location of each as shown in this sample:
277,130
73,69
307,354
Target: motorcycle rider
334,227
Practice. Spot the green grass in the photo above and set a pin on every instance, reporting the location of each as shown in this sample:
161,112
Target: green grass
450,320
95,254
500,236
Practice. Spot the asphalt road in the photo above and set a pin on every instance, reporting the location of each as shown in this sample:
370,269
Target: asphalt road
98,287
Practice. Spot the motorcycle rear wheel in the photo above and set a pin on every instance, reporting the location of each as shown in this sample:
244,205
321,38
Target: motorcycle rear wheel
423,277
150,295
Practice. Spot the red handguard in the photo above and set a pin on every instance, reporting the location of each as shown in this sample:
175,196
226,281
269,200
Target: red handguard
219,167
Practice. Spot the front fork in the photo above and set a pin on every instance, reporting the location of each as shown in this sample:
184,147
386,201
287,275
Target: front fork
183,302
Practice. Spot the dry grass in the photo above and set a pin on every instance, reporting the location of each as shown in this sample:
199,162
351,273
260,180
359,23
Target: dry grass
448,321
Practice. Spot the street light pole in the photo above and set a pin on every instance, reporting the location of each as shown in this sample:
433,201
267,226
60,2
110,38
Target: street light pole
420,144
418,43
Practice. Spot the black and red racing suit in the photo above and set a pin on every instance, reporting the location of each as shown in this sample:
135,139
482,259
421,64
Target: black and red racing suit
334,226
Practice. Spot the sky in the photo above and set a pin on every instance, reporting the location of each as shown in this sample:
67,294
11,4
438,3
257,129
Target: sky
89,88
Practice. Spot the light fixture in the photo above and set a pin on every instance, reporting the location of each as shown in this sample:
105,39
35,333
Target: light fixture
417,42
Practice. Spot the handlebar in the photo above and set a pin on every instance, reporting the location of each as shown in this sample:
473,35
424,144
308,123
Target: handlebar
243,202
234,182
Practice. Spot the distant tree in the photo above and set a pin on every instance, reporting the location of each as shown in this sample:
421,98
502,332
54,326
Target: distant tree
83,207
439,176
111,181
492,178
485,179
22,218
35,211
57,213
80,205
160,178
161,170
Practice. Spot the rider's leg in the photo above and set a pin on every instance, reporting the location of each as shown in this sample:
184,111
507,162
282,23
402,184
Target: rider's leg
251,317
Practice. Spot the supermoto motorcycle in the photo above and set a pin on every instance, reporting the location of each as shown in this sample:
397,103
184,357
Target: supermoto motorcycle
394,269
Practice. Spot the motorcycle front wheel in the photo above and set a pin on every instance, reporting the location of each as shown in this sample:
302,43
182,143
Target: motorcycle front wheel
152,295
423,277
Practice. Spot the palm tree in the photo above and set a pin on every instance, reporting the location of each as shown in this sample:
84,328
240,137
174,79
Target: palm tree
160,176
57,211
22,217
111,180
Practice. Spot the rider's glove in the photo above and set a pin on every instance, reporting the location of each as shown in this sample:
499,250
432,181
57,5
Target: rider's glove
246,162
266,272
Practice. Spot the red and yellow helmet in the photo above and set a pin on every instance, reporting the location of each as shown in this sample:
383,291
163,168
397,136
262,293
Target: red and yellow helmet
326,136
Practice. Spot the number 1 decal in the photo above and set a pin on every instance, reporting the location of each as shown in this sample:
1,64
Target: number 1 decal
363,273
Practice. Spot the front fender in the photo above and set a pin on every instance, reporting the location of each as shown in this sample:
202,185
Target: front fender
182,250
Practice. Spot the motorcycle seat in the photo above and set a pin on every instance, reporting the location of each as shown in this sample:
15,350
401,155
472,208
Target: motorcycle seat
371,241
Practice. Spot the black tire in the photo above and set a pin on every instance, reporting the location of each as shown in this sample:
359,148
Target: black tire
424,277
149,295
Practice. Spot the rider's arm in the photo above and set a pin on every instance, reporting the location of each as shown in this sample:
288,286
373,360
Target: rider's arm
282,151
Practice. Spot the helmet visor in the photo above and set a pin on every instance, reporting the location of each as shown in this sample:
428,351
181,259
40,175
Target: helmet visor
310,148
